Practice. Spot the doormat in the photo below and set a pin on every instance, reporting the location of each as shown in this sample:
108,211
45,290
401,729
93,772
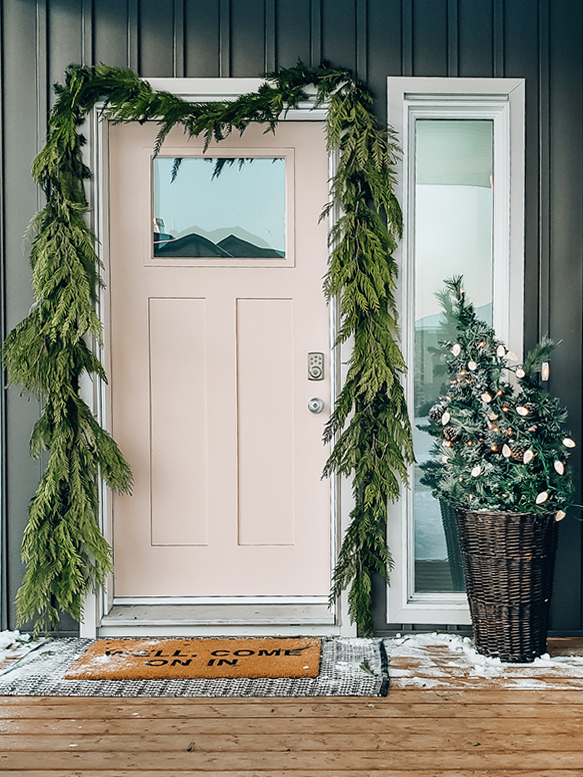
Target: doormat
178,659
348,667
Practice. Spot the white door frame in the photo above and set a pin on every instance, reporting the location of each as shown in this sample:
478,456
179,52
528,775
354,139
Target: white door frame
99,603
502,100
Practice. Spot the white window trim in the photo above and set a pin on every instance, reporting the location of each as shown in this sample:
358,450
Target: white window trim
98,603
502,100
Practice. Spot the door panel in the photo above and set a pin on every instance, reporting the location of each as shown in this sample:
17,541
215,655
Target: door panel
209,387
265,421
178,433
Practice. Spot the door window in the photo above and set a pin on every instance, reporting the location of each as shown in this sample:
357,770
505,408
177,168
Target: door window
225,207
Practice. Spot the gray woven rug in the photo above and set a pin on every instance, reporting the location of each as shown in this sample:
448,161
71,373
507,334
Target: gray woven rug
348,667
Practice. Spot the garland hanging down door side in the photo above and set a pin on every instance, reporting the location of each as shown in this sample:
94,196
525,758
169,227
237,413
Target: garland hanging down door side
213,320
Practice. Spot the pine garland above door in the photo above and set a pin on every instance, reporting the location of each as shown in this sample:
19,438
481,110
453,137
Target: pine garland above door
48,352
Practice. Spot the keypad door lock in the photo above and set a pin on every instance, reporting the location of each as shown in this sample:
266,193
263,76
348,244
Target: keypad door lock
315,366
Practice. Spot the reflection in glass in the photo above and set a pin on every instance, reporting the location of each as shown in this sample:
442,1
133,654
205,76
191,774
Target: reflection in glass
453,236
219,207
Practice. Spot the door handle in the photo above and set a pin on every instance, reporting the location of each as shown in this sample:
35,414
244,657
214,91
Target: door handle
316,405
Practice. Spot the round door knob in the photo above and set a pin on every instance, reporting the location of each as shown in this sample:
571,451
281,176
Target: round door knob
316,405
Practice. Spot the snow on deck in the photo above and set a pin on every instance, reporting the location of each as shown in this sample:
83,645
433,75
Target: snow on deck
448,661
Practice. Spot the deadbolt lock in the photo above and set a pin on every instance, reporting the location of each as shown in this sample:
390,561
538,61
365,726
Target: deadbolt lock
315,366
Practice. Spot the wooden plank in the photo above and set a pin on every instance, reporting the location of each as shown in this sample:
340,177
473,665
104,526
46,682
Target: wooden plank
438,710
134,726
226,742
338,762
479,695
487,696
465,681
287,772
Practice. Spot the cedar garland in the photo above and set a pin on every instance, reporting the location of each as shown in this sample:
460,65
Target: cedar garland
47,353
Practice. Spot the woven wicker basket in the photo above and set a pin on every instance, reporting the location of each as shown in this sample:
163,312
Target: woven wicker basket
452,543
509,560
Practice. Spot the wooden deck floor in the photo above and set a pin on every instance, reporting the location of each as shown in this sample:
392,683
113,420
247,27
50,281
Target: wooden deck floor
458,725
411,733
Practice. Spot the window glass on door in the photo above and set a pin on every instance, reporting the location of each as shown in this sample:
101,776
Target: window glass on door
223,207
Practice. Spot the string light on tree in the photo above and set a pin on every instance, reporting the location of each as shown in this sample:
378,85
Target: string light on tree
515,464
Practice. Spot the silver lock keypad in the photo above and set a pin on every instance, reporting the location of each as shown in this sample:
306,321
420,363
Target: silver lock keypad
315,366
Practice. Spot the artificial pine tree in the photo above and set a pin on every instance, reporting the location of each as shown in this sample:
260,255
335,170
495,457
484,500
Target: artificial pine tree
500,443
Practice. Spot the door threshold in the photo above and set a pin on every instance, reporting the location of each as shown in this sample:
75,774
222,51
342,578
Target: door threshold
215,619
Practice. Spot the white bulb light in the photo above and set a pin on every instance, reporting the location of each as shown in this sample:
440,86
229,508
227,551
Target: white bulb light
500,351
476,471
486,397
456,350
559,515
472,365
559,467
445,418
528,456
542,497
569,443
522,411
512,356
520,373
506,452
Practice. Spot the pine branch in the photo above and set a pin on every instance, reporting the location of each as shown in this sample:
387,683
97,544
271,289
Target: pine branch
47,353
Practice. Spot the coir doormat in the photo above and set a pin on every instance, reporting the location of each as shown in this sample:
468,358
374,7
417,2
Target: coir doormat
348,667
177,659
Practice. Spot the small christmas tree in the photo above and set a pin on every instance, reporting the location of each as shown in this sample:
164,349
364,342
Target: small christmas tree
500,443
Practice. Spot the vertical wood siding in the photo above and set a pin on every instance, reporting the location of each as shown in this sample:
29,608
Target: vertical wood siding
538,40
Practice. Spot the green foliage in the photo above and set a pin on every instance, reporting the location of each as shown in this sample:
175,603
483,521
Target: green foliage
47,353
500,444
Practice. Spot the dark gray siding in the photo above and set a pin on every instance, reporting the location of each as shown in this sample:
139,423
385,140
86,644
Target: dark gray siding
538,40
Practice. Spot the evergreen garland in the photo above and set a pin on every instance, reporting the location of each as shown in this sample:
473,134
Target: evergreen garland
48,352
500,445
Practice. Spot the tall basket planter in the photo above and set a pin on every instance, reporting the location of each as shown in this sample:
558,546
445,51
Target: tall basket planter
452,544
509,561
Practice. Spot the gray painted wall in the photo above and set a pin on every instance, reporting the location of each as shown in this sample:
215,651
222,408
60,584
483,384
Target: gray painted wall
538,40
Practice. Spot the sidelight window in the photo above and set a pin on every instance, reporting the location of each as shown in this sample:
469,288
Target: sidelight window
461,189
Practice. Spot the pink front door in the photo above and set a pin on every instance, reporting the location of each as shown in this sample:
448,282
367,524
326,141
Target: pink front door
209,385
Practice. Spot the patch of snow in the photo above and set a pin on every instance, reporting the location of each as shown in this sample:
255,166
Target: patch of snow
419,649
14,645
9,638
357,642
